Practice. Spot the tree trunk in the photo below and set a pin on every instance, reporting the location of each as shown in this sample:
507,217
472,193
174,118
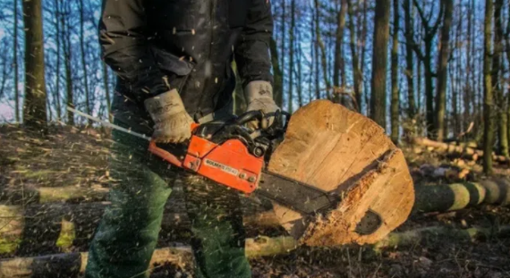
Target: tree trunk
34,110
442,69
15,63
360,176
364,33
357,75
84,61
339,39
379,62
66,33
322,47
508,82
488,102
315,23
106,85
57,75
409,59
497,86
282,49
299,84
429,91
395,98
291,54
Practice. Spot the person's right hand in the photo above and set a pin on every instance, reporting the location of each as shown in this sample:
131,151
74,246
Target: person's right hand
172,122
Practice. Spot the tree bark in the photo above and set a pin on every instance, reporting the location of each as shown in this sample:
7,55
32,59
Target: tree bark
364,32
34,110
395,98
15,63
84,61
411,110
106,85
291,54
357,75
442,69
57,75
66,34
322,47
379,62
488,101
338,70
498,86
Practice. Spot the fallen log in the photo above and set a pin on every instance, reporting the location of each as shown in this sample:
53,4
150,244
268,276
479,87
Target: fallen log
448,197
70,265
30,195
333,148
435,233
461,151
59,227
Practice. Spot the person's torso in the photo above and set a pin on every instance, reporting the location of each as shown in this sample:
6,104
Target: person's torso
195,39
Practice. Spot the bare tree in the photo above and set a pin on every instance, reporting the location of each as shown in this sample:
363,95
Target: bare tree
339,67
488,102
409,25
442,69
34,109
15,63
430,30
356,71
84,60
379,61
291,54
395,98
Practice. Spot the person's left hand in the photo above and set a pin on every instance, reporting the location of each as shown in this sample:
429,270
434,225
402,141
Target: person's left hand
259,96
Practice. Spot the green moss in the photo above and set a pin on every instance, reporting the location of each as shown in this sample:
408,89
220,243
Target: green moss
8,246
67,235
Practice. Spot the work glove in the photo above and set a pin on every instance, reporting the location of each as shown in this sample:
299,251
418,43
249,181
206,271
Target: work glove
259,96
172,122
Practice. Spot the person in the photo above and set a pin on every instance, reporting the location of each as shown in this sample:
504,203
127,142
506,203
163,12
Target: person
173,61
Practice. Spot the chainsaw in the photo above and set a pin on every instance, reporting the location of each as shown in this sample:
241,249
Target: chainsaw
229,153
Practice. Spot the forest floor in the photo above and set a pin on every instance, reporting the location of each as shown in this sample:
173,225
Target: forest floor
78,157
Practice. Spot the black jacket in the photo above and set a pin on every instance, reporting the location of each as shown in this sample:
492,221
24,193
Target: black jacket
190,42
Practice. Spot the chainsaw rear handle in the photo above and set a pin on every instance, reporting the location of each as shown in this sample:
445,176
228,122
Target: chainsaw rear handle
166,155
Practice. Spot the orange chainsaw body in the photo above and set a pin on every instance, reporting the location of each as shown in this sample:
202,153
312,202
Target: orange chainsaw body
229,164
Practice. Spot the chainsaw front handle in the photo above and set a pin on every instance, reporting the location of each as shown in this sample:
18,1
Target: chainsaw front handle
166,155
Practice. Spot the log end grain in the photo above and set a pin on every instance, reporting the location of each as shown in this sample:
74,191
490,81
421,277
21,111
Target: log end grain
333,148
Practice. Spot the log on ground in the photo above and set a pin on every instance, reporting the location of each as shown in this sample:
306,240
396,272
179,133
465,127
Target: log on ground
70,265
435,233
57,227
333,148
456,150
31,195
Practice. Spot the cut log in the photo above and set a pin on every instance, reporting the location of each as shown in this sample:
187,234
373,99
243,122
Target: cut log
442,198
435,233
30,195
498,191
59,227
70,265
456,150
65,227
333,148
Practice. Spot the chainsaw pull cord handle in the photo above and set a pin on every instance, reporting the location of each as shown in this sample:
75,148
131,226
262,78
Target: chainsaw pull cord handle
169,157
